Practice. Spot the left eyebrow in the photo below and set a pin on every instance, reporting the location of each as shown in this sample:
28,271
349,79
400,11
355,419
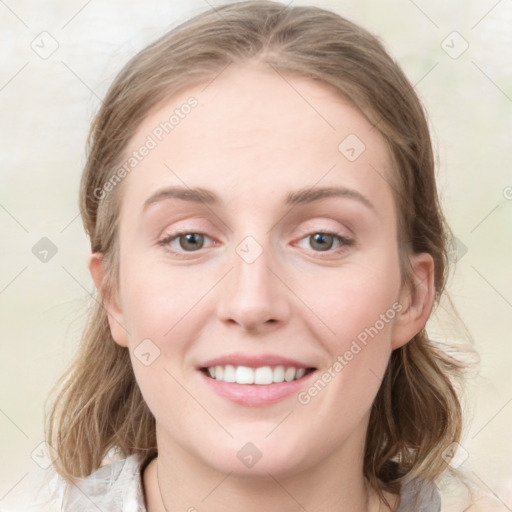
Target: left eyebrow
301,196
308,195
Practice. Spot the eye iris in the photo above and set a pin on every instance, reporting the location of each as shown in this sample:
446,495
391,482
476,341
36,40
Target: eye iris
320,237
194,241
192,238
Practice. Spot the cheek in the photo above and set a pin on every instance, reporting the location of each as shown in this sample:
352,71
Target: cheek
358,307
156,300
158,306
167,400
354,298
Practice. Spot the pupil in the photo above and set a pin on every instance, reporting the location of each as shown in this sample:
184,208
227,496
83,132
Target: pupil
321,237
191,238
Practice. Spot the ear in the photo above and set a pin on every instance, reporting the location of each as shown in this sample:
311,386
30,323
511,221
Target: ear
416,299
111,304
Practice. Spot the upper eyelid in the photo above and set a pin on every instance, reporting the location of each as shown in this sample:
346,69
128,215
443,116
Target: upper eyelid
310,229
170,237
174,234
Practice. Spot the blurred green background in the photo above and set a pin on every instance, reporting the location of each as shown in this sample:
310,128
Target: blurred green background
58,58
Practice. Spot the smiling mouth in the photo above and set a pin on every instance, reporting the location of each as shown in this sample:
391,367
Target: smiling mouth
263,376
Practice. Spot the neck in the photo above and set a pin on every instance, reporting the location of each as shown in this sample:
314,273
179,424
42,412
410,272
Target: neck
184,483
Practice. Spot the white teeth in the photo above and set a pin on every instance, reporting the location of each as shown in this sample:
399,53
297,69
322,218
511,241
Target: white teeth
263,376
278,374
289,374
244,375
229,373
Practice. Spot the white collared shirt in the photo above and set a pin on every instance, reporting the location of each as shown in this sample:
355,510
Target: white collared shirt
117,487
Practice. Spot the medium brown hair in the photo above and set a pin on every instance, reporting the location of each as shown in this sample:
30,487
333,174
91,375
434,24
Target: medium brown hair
417,411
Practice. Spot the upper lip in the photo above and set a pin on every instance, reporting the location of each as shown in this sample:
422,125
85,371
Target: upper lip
254,361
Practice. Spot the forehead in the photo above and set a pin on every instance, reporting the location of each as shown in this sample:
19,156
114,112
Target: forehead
254,132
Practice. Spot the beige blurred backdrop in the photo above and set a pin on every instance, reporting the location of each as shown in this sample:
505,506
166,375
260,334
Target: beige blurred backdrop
58,58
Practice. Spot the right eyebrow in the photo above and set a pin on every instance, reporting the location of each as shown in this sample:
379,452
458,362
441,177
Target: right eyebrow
197,195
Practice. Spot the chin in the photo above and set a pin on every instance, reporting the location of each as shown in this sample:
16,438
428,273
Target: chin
257,456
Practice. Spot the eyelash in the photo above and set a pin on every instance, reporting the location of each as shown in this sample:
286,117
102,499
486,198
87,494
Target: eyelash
345,242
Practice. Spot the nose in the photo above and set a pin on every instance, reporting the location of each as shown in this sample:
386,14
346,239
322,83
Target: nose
253,294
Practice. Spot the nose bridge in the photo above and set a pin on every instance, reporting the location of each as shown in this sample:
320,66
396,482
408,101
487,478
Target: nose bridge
252,294
251,262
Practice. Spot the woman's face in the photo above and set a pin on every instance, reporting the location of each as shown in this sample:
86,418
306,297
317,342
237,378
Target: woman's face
291,261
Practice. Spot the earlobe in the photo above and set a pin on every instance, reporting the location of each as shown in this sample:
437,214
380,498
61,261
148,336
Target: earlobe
417,300
109,300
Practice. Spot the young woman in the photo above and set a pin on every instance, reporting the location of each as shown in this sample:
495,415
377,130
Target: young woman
268,245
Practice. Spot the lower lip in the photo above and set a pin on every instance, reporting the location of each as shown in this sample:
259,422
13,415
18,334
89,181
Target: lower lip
254,395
